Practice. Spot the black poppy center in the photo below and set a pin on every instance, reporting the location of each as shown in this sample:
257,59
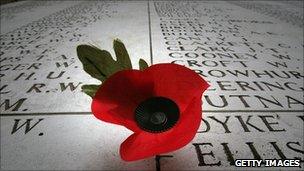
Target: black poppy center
158,118
156,114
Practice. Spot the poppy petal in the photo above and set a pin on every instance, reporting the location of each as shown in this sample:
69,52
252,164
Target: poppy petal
144,144
177,83
119,95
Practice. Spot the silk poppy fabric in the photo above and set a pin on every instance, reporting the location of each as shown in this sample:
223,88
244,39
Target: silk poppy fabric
117,98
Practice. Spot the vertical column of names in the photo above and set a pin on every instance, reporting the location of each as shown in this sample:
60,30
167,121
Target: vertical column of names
46,121
254,63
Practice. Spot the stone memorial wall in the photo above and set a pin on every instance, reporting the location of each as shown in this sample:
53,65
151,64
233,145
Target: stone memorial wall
251,53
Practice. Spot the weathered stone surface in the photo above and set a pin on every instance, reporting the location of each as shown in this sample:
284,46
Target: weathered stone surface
250,52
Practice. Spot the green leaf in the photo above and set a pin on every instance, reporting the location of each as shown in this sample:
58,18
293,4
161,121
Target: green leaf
122,55
96,62
90,89
142,64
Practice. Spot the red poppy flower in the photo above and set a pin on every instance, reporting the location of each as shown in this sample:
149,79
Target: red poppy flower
161,105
